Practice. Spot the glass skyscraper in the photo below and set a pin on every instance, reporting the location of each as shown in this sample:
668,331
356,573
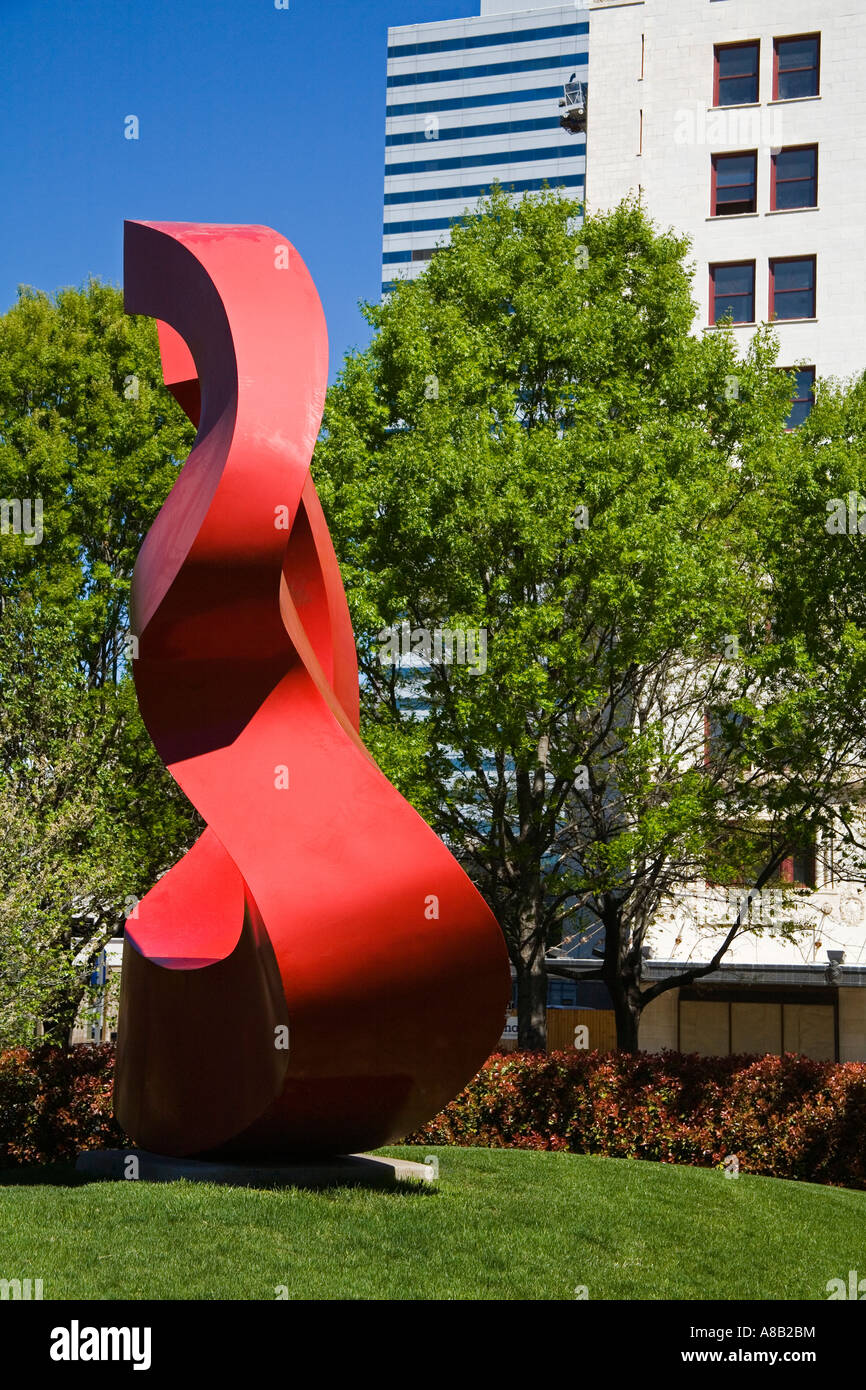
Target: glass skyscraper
471,101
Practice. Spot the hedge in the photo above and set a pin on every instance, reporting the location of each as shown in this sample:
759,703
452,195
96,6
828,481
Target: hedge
785,1117
54,1103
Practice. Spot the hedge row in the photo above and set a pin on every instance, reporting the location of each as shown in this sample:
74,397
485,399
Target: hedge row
786,1117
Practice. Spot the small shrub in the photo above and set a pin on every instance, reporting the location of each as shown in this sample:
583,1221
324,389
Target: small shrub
54,1103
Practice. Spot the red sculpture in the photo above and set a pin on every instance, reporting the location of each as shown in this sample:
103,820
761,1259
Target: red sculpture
317,975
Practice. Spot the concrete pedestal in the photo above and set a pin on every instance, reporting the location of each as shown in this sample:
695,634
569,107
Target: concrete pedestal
347,1170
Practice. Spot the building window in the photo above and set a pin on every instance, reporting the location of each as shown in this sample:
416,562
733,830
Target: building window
796,67
478,161
734,178
424,253
423,79
794,180
732,292
496,40
561,994
467,192
803,398
463,103
801,867
740,855
792,288
736,74
421,135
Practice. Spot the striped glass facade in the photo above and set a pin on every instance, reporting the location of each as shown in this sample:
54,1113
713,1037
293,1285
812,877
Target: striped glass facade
471,101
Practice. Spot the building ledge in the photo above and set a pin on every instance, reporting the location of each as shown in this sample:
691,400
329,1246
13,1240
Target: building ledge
737,974
772,323
727,973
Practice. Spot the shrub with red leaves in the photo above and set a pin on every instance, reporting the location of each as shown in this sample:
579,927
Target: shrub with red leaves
53,1104
785,1117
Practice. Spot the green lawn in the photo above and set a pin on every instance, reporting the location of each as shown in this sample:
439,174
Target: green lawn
507,1224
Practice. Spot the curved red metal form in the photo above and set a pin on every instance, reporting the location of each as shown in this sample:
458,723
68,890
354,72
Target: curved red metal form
317,975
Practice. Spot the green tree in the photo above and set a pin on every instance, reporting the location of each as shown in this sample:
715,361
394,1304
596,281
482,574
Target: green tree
89,444
536,445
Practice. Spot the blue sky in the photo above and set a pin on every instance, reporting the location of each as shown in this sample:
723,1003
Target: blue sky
246,114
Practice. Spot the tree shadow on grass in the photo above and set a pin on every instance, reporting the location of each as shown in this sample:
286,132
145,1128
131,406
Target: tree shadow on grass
49,1175
65,1175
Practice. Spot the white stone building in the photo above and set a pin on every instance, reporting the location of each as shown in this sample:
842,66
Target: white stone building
737,122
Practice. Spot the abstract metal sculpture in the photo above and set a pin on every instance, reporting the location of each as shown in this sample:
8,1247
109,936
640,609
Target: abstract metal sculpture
317,975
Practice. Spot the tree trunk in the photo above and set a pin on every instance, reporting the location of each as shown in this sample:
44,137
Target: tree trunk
626,1009
621,974
531,999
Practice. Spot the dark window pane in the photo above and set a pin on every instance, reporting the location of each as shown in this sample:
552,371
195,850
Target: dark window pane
734,293
794,289
794,304
798,413
410,50
561,994
736,169
735,183
804,867
415,79
794,275
805,377
734,206
462,103
738,74
802,399
797,68
797,84
733,279
798,53
796,178
478,161
796,164
738,91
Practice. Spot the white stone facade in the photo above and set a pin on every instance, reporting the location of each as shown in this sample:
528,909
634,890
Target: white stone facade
653,129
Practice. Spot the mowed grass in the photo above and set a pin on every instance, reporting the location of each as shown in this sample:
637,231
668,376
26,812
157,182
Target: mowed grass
500,1224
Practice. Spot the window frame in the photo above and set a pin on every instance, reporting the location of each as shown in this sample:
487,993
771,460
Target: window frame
732,154
799,400
771,307
743,43
791,149
723,265
808,855
793,38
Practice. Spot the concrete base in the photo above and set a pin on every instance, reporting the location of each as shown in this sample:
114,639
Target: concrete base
345,1170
